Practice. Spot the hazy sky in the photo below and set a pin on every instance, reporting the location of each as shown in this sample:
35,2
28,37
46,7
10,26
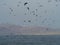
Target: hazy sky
14,12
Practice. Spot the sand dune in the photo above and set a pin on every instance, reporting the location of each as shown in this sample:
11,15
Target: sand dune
32,30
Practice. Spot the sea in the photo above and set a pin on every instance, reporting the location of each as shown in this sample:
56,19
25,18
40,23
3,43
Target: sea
30,40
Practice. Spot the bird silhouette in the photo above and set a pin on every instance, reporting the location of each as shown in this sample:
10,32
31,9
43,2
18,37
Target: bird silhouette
25,3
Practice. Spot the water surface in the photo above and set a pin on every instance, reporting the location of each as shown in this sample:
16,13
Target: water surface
30,40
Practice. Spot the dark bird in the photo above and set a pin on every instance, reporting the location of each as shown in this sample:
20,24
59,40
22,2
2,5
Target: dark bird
29,20
33,12
25,3
49,0
36,9
18,5
11,9
14,15
41,5
36,15
24,21
56,5
28,8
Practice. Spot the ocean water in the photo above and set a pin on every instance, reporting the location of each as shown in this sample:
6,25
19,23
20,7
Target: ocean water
30,40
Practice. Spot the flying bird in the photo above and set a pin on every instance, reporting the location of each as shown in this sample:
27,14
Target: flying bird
28,8
11,9
25,3
29,20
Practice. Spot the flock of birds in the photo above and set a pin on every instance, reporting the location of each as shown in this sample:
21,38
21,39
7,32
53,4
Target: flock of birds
34,12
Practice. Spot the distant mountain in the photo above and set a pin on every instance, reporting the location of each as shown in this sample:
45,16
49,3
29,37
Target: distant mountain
7,29
40,31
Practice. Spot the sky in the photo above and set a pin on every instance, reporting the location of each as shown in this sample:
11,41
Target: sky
30,12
